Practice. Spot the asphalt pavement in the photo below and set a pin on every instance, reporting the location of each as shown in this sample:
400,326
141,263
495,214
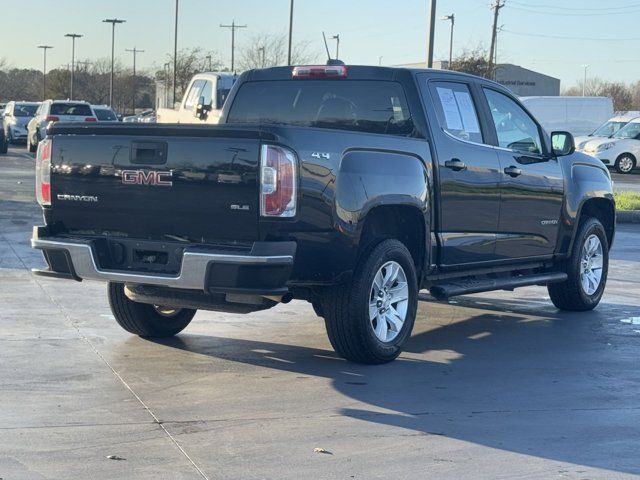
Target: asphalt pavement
497,386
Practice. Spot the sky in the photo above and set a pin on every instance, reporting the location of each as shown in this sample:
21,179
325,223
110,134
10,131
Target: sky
550,36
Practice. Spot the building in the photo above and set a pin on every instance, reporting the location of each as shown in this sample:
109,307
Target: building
521,81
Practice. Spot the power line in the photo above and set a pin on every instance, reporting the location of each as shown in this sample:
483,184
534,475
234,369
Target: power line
560,37
573,9
573,14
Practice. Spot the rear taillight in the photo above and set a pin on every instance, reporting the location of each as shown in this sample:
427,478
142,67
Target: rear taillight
52,118
319,71
90,119
43,173
277,182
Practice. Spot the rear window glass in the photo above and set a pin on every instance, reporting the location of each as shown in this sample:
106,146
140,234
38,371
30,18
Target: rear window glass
71,109
104,114
361,106
22,110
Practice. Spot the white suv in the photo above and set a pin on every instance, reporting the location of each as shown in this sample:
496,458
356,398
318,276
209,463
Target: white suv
56,111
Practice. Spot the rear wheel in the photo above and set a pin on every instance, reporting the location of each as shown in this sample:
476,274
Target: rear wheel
147,320
625,163
369,320
587,269
4,146
30,146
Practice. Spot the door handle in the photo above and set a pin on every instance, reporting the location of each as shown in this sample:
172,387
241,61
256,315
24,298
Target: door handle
513,171
455,164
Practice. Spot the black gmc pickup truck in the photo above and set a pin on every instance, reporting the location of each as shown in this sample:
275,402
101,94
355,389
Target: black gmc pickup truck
349,187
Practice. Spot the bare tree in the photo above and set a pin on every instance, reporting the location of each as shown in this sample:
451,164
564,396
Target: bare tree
268,50
473,62
621,94
189,62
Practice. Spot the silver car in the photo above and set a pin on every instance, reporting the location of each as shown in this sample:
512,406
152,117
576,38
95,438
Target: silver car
56,111
16,116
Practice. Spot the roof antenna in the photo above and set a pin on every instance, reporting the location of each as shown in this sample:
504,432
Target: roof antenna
330,61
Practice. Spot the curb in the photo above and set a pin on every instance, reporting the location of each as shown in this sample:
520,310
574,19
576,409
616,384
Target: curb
628,216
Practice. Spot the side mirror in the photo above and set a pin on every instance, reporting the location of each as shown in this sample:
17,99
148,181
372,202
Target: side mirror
202,109
562,143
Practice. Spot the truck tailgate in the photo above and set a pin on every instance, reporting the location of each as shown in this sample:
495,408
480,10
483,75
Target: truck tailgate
194,183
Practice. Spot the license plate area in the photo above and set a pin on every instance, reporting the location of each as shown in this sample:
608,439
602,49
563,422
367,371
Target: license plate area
139,256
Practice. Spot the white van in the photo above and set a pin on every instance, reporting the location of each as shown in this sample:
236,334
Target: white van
578,115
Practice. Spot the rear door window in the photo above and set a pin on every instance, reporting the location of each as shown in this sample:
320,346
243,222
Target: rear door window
456,111
105,115
360,106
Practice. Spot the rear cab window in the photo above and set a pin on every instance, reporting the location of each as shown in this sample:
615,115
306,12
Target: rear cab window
104,114
354,105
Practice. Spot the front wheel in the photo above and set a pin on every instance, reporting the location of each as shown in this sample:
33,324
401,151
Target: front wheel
625,163
587,269
369,320
146,320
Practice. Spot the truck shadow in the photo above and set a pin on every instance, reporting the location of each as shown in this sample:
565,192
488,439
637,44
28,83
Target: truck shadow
549,386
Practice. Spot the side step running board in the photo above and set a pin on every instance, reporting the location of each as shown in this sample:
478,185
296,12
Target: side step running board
472,285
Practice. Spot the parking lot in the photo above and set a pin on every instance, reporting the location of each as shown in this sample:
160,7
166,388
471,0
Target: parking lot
496,385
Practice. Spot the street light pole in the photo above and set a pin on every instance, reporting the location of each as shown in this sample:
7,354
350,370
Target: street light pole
584,82
233,28
431,33
452,18
262,54
44,71
135,52
337,39
166,84
113,22
73,37
290,33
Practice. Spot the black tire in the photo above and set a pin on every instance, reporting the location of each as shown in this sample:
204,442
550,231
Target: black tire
570,295
145,320
4,146
30,146
346,311
622,163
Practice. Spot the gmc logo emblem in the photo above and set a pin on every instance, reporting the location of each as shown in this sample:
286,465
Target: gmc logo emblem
147,177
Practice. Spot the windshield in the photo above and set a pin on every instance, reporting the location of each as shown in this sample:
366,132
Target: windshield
23,110
362,106
71,109
608,128
630,130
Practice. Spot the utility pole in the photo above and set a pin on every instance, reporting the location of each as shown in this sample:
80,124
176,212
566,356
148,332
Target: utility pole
431,32
262,54
337,39
494,35
73,37
175,58
166,84
290,33
451,18
113,22
584,83
209,62
233,28
135,52
44,71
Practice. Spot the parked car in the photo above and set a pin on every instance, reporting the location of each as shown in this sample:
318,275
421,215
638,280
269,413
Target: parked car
607,129
578,115
2,107
620,151
351,188
51,111
139,118
16,117
104,113
203,100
